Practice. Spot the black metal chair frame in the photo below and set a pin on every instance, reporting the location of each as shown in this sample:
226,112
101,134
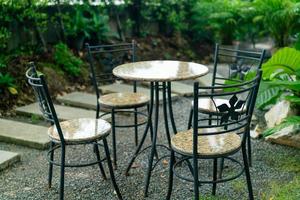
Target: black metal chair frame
39,85
241,126
251,56
108,77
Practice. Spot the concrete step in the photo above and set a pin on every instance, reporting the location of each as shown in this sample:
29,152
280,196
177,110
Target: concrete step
24,134
8,158
122,87
79,99
63,112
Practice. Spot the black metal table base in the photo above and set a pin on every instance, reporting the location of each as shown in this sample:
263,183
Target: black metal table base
152,125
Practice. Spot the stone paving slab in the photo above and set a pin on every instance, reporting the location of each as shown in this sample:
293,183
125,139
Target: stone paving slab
8,158
63,112
24,134
207,79
79,99
82,100
182,89
121,87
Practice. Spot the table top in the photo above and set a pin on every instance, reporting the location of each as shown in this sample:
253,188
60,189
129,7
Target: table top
160,70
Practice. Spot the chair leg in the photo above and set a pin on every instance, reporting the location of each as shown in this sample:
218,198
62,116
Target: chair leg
172,161
249,148
215,170
99,161
247,172
196,179
222,160
113,134
50,165
111,171
136,139
190,118
62,174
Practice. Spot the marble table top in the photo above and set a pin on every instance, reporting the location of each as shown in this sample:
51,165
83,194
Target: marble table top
160,70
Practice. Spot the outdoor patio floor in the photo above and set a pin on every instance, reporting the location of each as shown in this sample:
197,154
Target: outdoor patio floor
274,166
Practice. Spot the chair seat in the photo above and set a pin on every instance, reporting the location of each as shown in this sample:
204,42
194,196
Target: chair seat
209,106
208,145
124,100
81,130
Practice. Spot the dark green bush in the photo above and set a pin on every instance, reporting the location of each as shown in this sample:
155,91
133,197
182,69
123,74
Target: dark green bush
65,58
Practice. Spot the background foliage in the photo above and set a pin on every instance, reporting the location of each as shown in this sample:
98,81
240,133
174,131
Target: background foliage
55,31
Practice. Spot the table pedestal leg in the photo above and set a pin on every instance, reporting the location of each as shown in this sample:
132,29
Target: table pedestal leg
166,92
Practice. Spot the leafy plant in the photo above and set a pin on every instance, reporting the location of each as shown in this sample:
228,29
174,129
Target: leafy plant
281,76
65,58
169,14
4,37
85,21
279,17
218,19
7,82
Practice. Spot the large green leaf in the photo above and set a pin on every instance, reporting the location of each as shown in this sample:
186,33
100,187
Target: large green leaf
267,95
286,60
289,121
292,85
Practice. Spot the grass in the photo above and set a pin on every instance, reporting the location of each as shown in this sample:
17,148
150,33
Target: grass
239,185
35,118
211,198
286,163
284,191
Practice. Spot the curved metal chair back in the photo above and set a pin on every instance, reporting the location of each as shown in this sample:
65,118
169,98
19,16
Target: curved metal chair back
40,88
235,64
234,116
104,58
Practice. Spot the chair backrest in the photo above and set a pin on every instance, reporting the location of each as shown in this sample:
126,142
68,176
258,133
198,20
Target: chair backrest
104,58
234,116
40,88
232,64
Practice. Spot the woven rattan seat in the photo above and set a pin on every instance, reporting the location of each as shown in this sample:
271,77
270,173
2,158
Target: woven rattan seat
124,100
81,130
208,145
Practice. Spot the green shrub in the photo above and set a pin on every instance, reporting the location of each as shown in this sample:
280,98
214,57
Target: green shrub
7,82
65,58
85,21
217,20
280,18
281,76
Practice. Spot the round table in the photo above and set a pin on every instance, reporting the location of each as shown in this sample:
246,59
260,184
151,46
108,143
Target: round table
160,74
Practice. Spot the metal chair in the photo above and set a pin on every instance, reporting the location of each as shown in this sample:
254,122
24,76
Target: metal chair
102,59
80,131
222,139
231,66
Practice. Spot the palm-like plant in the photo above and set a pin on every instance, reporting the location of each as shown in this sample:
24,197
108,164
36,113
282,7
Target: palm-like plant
281,18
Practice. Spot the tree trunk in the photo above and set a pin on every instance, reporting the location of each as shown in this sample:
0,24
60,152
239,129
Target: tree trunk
38,31
135,15
60,22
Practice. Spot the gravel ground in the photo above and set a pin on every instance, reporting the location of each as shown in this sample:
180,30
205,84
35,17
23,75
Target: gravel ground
28,179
